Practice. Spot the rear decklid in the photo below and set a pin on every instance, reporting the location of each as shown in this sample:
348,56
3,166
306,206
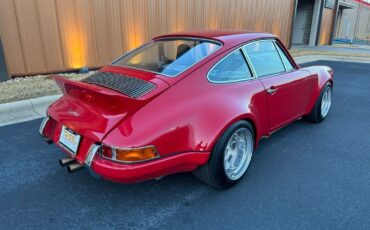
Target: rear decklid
94,106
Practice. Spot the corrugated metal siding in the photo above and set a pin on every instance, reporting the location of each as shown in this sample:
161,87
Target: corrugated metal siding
41,36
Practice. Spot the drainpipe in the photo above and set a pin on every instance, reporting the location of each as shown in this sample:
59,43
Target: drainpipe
4,76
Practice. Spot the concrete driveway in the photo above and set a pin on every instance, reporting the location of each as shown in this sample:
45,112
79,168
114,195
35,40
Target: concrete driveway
305,176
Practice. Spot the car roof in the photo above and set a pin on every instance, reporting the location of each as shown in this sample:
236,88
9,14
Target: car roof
224,36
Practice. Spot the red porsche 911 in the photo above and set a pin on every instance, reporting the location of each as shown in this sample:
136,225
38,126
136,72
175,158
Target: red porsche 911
184,102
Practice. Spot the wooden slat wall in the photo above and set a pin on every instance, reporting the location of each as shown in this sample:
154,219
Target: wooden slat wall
41,36
10,38
326,26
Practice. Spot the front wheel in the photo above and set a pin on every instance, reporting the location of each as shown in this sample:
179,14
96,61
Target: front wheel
322,105
230,158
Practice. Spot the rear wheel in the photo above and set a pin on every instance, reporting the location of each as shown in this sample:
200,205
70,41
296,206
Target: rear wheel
322,105
230,157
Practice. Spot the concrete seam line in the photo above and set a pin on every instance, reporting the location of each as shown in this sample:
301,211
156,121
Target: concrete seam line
34,110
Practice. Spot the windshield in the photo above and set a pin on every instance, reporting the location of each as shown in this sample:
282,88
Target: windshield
168,57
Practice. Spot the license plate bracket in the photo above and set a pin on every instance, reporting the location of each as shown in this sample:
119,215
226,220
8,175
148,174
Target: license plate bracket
69,139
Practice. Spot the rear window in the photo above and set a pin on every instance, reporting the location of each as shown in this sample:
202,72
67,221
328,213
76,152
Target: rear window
168,57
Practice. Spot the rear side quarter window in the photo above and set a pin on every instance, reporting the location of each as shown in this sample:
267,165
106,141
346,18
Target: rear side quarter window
232,68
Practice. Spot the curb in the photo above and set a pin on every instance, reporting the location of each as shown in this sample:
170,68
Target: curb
26,110
312,58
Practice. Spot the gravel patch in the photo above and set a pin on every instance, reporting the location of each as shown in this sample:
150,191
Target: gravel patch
295,52
31,87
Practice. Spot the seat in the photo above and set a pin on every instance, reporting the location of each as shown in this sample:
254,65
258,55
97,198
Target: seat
181,50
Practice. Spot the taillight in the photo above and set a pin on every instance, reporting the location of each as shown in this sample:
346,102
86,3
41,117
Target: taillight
106,152
130,155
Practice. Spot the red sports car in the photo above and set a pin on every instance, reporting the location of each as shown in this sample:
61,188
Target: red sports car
185,102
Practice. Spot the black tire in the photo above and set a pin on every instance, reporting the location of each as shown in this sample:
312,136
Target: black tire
315,115
213,172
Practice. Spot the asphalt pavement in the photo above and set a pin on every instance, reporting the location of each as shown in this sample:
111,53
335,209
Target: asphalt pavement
306,176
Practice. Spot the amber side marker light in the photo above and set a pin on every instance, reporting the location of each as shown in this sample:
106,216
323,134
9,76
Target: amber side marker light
132,155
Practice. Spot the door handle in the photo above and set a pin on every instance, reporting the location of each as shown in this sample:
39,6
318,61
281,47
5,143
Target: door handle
272,90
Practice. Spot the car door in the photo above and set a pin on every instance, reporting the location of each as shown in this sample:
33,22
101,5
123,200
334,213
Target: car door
288,89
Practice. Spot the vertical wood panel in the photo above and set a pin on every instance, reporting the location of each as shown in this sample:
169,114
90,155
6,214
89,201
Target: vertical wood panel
197,14
326,26
86,32
172,19
10,38
30,35
141,25
67,34
114,28
152,18
50,35
101,32
247,15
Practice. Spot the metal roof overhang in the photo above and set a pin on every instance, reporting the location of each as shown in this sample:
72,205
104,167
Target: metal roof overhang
346,5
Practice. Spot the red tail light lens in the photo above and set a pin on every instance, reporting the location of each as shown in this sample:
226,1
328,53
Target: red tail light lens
106,152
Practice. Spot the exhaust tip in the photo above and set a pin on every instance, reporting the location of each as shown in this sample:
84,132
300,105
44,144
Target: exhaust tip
66,161
74,167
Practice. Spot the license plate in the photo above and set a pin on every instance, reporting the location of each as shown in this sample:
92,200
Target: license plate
69,139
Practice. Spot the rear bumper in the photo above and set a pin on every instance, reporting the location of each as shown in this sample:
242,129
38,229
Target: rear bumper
130,173
88,156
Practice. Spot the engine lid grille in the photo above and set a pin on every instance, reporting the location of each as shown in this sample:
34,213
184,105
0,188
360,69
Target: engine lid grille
130,86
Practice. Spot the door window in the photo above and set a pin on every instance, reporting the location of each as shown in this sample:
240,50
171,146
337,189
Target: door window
288,65
264,58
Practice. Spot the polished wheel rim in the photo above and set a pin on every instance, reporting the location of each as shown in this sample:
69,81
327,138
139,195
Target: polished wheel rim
238,153
326,102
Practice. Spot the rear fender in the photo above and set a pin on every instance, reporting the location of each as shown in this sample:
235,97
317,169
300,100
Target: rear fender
321,75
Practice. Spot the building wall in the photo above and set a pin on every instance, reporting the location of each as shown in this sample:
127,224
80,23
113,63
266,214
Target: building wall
301,32
57,35
347,28
327,23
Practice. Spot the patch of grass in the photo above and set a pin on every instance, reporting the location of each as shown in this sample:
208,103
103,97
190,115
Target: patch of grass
296,52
